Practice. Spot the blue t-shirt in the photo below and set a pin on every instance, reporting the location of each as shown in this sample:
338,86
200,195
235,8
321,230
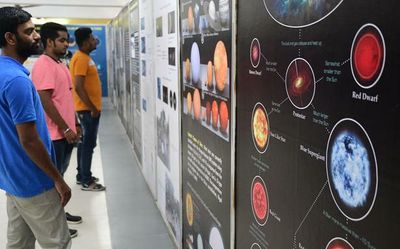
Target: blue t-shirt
20,103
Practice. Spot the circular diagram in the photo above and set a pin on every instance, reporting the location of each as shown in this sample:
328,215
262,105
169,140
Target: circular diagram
215,239
298,13
189,209
195,63
255,52
260,128
351,169
368,54
220,65
339,243
259,200
199,242
300,83
255,246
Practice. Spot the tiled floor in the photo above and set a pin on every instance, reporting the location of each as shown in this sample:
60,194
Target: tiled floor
123,217
94,231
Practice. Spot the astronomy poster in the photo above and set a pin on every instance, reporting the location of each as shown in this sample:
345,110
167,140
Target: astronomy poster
206,88
168,107
318,125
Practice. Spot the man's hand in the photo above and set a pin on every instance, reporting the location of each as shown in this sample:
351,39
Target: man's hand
79,131
64,191
95,113
71,136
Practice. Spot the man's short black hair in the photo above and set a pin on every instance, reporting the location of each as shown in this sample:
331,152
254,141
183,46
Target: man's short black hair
50,30
82,34
10,19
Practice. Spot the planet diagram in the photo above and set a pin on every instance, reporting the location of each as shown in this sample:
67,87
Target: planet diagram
255,52
300,13
215,239
260,128
195,63
223,116
300,83
352,169
339,243
196,104
259,200
367,56
189,209
220,65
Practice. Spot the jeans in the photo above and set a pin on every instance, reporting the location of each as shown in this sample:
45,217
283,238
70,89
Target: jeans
63,154
90,126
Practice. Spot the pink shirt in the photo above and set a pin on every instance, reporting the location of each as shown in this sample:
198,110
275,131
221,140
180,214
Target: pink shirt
48,74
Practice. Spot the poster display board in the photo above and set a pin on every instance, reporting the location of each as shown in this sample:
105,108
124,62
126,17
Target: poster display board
206,84
168,107
318,125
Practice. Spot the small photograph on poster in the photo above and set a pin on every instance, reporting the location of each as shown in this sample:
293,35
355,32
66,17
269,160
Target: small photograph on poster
192,103
143,45
163,145
172,207
216,115
142,24
212,77
143,68
205,17
217,17
171,22
159,88
159,27
171,57
133,46
165,94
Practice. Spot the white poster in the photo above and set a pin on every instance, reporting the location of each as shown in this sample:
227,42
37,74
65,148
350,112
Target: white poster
168,114
148,93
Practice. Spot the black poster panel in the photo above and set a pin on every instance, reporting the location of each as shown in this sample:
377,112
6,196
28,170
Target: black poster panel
206,123
317,125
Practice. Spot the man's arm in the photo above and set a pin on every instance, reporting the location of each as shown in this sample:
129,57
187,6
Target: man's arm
52,112
80,90
34,147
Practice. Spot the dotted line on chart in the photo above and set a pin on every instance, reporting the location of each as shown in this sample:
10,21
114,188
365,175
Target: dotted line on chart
309,210
347,223
280,76
283,101
344,62
313,107
294,242
319,80
269,113
265,58
327,130
299,52
300,34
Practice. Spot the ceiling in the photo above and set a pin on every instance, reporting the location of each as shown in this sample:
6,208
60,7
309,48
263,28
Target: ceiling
90,9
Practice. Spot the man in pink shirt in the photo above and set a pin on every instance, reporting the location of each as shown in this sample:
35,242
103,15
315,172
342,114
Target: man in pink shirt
53,82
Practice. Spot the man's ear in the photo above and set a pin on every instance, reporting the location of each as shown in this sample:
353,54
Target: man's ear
11,38
49,41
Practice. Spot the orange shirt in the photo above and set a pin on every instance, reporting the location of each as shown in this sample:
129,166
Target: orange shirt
82,65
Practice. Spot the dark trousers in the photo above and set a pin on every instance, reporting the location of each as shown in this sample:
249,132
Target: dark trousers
90,127
63,154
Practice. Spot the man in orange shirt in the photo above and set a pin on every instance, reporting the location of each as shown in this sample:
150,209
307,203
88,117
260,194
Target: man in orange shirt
87,102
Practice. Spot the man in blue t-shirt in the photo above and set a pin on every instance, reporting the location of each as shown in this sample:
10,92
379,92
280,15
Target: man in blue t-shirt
36,192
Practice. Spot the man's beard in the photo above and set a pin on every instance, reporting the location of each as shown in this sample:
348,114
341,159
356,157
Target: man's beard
25,49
